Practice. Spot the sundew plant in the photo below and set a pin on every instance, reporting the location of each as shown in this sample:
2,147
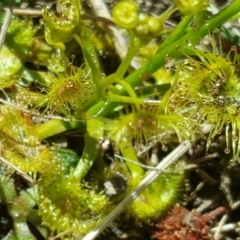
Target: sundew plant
75,116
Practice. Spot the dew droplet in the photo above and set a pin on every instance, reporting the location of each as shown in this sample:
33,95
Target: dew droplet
164,148
189,43
235,138
227,150
234,48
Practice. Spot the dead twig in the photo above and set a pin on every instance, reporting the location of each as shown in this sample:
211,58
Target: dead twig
6,23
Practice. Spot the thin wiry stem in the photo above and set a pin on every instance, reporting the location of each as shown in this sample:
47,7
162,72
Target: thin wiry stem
150,177
223,220
19,171
5,25
38,114
38,13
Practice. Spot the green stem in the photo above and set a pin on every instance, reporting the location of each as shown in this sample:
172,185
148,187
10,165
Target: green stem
123,99
134,45
153,89
88,157
167,14
54,127
130,91
176,34
200,19
107,80
95,129
18,210
89,53
128,152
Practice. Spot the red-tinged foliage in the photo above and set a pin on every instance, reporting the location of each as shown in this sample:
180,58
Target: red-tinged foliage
183,224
